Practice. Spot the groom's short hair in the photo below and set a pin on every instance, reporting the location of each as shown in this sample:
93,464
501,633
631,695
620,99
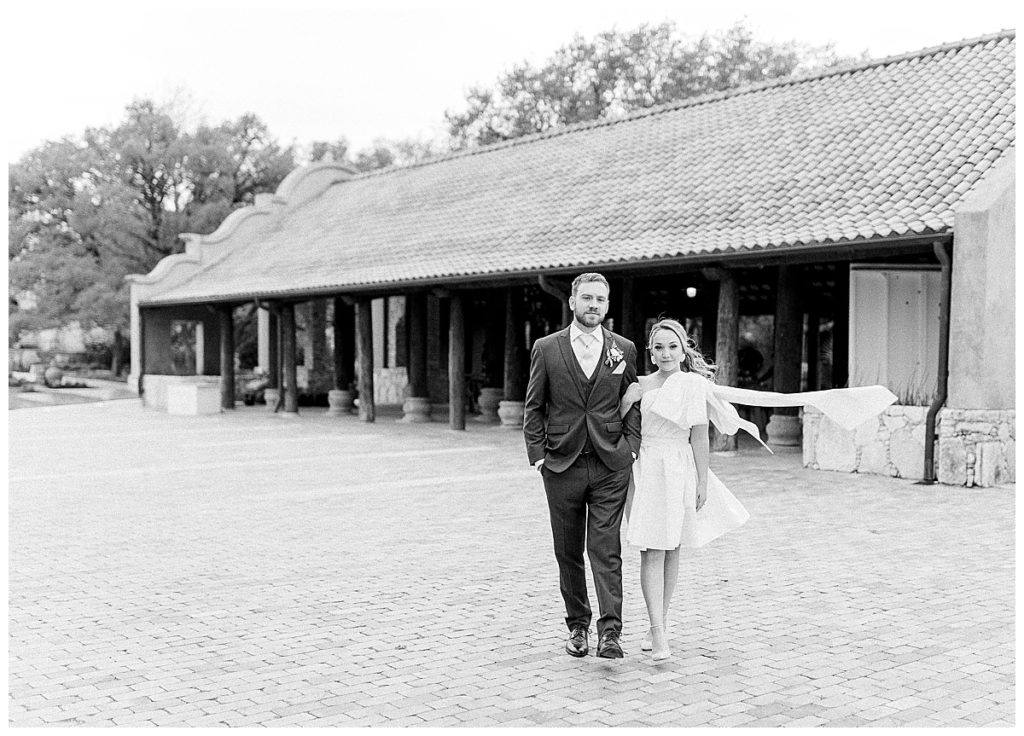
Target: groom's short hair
586,278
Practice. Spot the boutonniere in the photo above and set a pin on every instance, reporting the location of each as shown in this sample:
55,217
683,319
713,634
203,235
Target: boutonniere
614,355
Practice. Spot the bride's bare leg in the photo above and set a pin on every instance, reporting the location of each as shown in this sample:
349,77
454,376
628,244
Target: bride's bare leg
652,583
671,576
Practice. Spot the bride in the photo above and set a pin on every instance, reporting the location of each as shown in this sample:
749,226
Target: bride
676,499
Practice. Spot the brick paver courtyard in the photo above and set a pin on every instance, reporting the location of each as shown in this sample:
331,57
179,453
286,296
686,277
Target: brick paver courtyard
248,569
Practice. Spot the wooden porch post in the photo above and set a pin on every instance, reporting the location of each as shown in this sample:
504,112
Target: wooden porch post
727,342
813,320
416,408
266,337
227,356
364,351
510,410
784,426
340,397
634,321
289,369
841,327
628,310
344,344
273,349
314,346
709,318
457,363
272,394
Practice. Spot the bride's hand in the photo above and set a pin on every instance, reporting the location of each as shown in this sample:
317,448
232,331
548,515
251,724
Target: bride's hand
633,393
630,397
702,495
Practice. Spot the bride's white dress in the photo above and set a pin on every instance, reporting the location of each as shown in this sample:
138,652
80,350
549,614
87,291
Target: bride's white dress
663,512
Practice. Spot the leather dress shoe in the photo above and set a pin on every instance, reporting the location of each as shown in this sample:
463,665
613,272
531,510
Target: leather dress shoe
608,645
577,644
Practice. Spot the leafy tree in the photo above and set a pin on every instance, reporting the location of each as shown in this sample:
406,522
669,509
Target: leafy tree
616,73
381,154
82,215
331,150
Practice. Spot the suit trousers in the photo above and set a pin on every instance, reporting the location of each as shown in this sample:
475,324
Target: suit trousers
585,503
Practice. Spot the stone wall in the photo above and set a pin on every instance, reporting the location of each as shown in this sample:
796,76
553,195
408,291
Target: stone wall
977,446
389,385
891,444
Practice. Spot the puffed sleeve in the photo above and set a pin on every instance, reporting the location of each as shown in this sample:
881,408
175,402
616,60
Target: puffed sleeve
683,400
697,401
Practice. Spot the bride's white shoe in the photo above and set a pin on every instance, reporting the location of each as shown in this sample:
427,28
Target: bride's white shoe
647,644
664,653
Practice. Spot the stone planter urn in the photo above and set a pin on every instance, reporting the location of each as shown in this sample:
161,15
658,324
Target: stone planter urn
52,376
340,402
489,400
415,410
784,430
511,414
271,395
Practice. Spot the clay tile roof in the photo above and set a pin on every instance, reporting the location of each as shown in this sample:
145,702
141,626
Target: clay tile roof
883,149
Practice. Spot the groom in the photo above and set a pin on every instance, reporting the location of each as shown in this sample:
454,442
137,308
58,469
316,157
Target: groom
584,450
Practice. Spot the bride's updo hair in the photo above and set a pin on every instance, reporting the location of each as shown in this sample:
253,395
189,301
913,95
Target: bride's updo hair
692,361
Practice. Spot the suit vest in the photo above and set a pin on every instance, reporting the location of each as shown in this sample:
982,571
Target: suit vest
588,387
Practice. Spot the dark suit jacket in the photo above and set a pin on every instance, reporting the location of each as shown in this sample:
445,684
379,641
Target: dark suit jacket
558,415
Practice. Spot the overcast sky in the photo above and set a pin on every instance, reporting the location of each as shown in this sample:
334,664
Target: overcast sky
318,71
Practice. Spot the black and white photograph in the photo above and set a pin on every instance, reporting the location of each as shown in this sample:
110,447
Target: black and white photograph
564,364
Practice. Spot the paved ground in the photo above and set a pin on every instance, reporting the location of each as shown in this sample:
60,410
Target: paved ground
247,569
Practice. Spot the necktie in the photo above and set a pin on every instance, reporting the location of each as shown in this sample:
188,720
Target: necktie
588,354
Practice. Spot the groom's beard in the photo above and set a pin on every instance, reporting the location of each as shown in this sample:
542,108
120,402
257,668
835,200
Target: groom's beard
589,318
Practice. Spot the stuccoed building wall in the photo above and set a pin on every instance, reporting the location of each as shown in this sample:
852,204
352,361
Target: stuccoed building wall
977,427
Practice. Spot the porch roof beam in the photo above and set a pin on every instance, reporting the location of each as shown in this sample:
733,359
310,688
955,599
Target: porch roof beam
790,254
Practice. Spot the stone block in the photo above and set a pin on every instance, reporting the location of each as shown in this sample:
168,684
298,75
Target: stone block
874,459
389,385
870,431
980,427
906,451
952,461
835,448
191,399
987,465
812,423
894,417
155,387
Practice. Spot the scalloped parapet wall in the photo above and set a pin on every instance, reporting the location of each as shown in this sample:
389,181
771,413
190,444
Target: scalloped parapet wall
244,224
307,182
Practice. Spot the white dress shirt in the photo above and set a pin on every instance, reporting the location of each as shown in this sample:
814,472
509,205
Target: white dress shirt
587,347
